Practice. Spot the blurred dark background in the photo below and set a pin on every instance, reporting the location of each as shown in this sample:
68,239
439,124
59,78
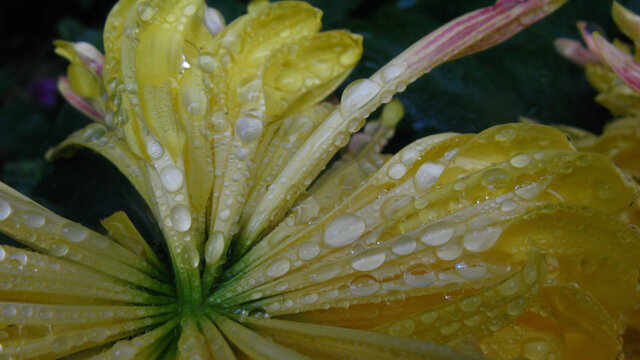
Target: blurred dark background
522,77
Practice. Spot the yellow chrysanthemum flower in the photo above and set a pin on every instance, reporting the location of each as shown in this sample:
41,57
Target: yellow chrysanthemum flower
507,243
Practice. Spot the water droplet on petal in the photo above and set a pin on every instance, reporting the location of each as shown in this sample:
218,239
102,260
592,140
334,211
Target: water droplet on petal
180,218
325,273
308,250
357,94
508,205
310,299
368,260
450,251
437,234
189,9
248,128
5,210
171,178
154,149
397,171
278,268
403,246
364,285
392,72
33,219
343,230
73,232
59,249
528,192
483,239
402,328
419,277
214,247
427,175
535,349
470,304
520,161
510,286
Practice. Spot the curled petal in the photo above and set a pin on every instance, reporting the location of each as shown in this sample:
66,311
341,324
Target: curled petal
620,62
83,104
574,51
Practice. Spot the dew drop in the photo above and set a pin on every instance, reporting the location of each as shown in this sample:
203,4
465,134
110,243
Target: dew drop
427,175
207,62
437,234
191,256
535,349
343,230
273,307
495,178
214,247
470,304
325,273
61,343
145,12
278,268
481,240
419,277
59,249
308,250
397,171
154,149
402,328
368,260
357,94
33,219
122,350
364,285
26,311
429,317
450,328
310,299
180,218
516,307
248,128
392,72
508,205
74,233
5,210
510,286
529,192
9,311
449,251
506,135
98,334
520,161
45,313
409,156
189,9
171,178
471,272
403,246
20,257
